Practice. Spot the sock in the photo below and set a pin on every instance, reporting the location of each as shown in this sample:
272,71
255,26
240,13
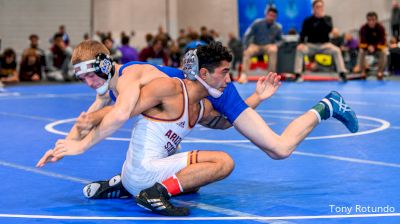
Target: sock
322,111
172,185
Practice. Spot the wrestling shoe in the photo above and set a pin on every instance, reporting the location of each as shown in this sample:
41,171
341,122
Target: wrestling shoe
156,199
108,189
338,109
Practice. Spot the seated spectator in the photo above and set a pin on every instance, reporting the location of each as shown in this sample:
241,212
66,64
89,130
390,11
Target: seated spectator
373,41
350,51
194,41
337,39
175,55
128,53
65,37
154,54
114,52
58,60
394,56
30,68
314,38
8,67
34,45
164,37
205,36
262,37
395,19
182,40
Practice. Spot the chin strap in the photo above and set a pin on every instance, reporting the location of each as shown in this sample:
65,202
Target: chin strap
212,91
104,88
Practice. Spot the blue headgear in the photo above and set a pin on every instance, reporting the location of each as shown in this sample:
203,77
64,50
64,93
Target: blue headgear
191,71
103,66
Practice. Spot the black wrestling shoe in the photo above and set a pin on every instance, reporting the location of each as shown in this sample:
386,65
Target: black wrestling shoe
156,199
108,189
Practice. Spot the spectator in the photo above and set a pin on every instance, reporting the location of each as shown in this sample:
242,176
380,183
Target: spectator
194,41
164,37
394,56
65,37
336,38
205,36
34,44
149,39
237,49
8,67
86,36
215,35
373,41
58,60
350,51
182,40
314,38
175,55
128,53
262,37
30,68
154,54
114,52
395,19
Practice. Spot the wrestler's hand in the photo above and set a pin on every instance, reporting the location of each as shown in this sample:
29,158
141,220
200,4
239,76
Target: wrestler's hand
84,124
62,148
46,158
268,85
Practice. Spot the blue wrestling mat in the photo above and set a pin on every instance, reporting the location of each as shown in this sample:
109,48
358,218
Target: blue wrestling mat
333,177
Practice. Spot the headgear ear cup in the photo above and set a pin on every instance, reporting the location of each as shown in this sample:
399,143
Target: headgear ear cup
104,66
191,65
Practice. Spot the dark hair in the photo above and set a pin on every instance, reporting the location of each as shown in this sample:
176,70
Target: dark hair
372,14
272,9
57,35
124,40
210,56
8,52
33,36
317,1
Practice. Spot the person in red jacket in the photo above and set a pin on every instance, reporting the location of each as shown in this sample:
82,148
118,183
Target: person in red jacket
373,41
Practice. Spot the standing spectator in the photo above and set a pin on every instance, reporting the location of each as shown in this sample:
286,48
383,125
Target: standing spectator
395,20
154,54
30,68
237,49
128,53
314,37
205,36
262,37
8,67
373,41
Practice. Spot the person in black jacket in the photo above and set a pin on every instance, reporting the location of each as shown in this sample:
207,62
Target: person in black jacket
314,38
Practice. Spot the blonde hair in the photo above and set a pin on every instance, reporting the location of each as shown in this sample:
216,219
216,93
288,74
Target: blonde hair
88,50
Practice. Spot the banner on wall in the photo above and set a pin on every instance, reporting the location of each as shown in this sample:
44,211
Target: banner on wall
291,12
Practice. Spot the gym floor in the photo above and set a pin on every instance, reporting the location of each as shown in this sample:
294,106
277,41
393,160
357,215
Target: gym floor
331,172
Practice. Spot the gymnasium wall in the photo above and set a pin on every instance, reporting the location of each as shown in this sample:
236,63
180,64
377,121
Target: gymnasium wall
20,18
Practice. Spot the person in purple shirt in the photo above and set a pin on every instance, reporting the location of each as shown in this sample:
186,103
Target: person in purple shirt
128,53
